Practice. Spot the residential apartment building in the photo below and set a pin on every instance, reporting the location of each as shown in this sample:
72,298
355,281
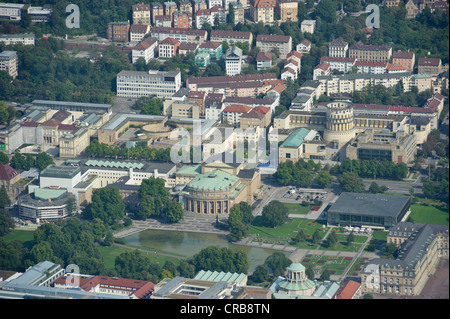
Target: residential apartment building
259,116
138,32
135,84
39,14
141,14
182,19
263,61
145,49
348,83
163,21
262,10
304,47
232,36
19,38
170,7
407,59
168,48
412,9
287,10
209,16
200,5
9,63
337,48
232,114
118,31
270,43
233,60
340,64
157,10
308,26
181,35
431,66
185,6
214,49
372,53
371,67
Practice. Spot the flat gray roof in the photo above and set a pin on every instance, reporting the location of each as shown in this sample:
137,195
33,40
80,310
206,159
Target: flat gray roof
369,204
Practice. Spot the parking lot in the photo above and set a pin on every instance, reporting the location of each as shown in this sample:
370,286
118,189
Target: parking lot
298,195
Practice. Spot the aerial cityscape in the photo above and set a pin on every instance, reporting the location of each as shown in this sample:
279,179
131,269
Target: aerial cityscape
255,150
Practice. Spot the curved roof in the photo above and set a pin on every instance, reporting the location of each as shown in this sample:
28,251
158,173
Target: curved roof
296,267
213,180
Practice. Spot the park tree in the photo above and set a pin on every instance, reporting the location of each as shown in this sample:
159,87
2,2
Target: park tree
6,222
324,179
274,214
278,262
261,274
239,220
43,160
332,239
4,198
351,182
325,275
350,238
107,205
316,238
309,272
300,237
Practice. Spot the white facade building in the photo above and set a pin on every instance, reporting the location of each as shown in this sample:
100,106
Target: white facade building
135,84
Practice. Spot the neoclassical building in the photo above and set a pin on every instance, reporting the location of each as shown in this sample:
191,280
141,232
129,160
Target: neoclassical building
421,248
296,282
214,187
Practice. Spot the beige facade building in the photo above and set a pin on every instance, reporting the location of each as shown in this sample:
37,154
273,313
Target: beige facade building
371,53
431,66
397,147
71,145
9,63
421,248
141,14
287,10
269,43
407,59
262,10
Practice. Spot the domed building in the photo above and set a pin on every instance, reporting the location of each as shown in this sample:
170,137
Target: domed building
296,282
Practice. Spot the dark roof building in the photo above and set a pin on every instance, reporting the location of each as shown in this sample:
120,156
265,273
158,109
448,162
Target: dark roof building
368,210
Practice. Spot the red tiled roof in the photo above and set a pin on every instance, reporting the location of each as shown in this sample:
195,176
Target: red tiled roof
347,290
210,45
238,108
145,43
7,172
395,67
294,53
169,40
263,56
324,66
402,55
273,38
429,61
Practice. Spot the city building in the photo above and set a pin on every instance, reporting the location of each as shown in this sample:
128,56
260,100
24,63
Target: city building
181,35
287,10
295,284
214,49
407,59
202,59
22,38
349,289
302,143
141,14
278,43
233,60
168,48
368,52
134,84
118,31
257,117
9,63
145,49
216,190
262,10
421,248
46,205
157,10
431,66
138,32
210,16
163,21
232,113
263,61
187,47
323,69
232,36
308,26
169,8
337,48
304,47
341,64
39,14
182,19
11,11
376,211
200,5
371,67
397,147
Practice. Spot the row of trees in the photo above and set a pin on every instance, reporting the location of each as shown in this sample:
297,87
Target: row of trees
371,168
103,150
303,174
25,162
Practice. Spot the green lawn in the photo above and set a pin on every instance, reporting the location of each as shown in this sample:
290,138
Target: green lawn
428,214
296,208
284,233
25,236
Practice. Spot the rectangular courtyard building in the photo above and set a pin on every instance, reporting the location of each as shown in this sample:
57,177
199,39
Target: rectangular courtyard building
368,210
